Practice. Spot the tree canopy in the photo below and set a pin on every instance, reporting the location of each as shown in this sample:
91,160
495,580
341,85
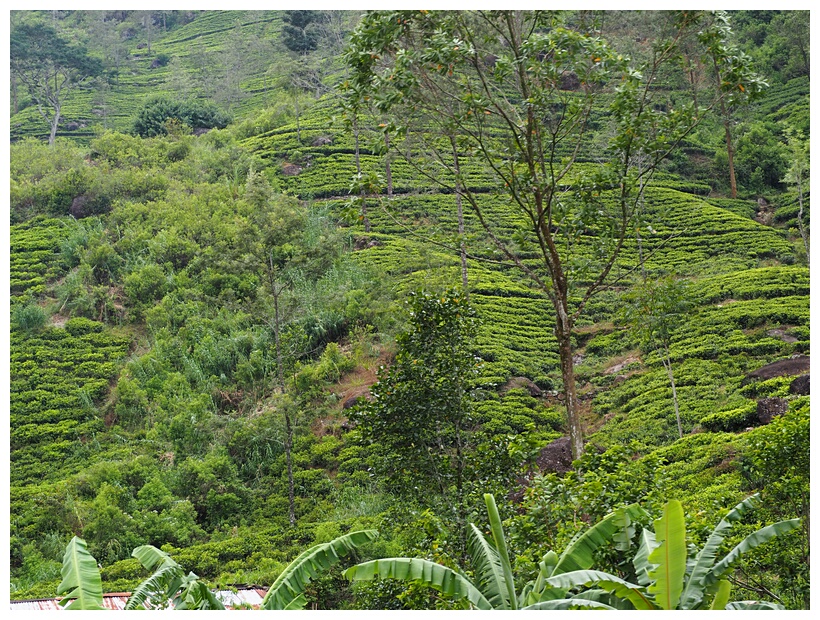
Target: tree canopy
49,67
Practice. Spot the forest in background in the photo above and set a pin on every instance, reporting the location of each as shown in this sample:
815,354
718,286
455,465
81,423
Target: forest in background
255,305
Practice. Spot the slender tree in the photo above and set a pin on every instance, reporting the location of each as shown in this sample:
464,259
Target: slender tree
735,82
49,68
517,90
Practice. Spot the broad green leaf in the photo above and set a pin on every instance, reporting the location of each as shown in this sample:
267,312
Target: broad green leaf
196,595
611,583
694,590
489,573
747,544
754,605
291,583
641,560
152,558
722,596
568,603
501,547
162,584
441,578
579,554
669,556
81,584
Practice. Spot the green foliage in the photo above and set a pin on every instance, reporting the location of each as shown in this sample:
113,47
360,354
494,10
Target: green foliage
153,117
300,30
287,592
81,583
418,425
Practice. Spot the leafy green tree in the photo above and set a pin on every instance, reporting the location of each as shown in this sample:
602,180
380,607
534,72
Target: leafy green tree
798,177
300,31
419,422
735,82
517,89
653,311
152,119
49,68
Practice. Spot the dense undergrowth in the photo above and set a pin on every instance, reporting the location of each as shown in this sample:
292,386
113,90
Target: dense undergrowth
161,287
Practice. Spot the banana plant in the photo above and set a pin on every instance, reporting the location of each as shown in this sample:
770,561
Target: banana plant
668,578
169,586
81,582
287,592
493,586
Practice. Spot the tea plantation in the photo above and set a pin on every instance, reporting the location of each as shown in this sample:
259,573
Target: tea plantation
238,341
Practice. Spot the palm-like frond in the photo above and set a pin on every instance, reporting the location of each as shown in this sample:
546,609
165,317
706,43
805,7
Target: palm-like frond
287,589
163,583
605,581
441,578
81,582
489,573
641,560
705,559
669,556
747,544
501,547
754,605
579,554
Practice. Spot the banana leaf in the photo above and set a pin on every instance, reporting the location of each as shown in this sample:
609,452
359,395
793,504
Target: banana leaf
286,591
568,603
438,577
641,560
579,554
501,547
722,596
747,544
81,582
489,573
694,591
669,556
163,583
605,581
754,605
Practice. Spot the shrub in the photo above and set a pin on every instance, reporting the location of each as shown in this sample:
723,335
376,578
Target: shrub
152,119
30,317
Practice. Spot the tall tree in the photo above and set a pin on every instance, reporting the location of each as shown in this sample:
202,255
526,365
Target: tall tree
798,177
735,82
517,90
49,68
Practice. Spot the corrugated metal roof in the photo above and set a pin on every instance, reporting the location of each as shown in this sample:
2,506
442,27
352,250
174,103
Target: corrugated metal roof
116,600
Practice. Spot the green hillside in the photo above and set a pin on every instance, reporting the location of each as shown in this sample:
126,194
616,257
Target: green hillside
226,342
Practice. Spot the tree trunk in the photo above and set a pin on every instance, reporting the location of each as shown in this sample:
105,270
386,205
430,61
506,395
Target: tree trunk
460,215
800,217
54,122
667,363
288,426
365,221
727,125
563,332
387,173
